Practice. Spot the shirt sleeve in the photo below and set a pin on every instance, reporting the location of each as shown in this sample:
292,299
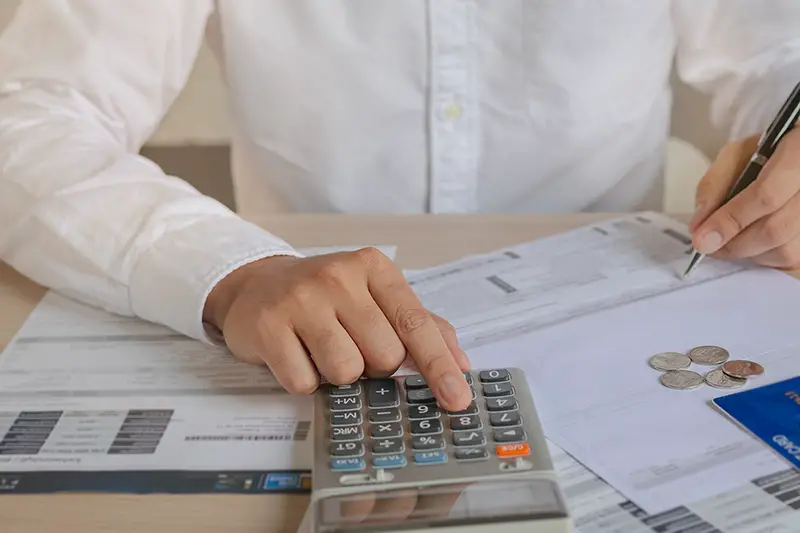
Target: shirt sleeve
83,84
744,53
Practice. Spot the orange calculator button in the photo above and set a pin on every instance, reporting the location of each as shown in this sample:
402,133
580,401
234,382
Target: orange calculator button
513,450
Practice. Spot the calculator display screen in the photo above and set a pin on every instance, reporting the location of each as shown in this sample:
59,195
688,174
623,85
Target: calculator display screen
440,505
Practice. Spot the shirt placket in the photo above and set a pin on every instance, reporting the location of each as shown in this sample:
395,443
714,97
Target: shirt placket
453,110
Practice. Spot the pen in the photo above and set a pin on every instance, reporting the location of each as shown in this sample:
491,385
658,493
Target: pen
783,123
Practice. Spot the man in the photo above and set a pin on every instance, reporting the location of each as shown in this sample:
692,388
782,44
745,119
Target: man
371,106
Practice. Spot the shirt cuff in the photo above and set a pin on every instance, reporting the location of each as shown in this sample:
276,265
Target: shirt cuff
172,279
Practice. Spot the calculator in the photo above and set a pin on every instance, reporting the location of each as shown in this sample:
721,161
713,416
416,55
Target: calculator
388,458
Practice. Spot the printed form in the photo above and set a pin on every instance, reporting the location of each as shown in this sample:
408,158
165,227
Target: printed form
134,405
583,312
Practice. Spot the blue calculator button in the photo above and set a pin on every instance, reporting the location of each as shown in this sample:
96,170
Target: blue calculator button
389,461
430,458
349,464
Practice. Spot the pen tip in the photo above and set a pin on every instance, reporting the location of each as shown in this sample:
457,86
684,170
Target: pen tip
695,259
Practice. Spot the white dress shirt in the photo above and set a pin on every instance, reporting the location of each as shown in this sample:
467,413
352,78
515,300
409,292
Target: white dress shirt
410,106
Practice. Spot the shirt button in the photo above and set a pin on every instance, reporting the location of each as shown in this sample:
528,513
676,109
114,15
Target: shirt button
453,112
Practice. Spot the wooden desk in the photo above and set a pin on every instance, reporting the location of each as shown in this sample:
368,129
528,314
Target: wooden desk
421,240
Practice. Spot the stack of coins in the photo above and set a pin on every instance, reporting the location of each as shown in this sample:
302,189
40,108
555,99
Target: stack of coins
729,374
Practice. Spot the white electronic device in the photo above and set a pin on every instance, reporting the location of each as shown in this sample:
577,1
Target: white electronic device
387,458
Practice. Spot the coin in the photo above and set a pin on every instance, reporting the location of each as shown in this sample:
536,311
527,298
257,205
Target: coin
681,379
667,361
720,380
742,369
709,355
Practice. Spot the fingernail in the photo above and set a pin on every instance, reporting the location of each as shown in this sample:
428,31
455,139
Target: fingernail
452,388
709,243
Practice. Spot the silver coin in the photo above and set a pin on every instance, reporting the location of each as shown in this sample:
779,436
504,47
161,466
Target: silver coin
720,380
708,355
667,361
681,379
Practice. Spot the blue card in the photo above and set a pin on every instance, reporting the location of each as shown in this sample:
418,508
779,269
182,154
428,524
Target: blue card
771,413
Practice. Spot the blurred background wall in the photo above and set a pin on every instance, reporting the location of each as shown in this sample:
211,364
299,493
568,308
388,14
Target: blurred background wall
192,141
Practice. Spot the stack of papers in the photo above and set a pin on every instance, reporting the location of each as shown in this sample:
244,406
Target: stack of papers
581,313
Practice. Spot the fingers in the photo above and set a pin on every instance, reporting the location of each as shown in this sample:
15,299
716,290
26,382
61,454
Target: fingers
451,339
770,192
420,335
719,178
270,341
336,356
379,345
770,233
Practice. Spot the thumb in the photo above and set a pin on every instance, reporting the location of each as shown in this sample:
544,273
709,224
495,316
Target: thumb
719,178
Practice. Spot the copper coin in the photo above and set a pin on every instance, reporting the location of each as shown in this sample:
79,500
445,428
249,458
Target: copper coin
742,369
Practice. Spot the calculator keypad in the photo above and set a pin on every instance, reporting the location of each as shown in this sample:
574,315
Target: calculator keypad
396,424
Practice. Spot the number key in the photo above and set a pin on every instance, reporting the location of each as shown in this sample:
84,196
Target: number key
494,376
471,410
423,411
497,389
426,427
508,403
461,423
507,418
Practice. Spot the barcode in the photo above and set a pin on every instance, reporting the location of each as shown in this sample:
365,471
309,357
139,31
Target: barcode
302,429
236,437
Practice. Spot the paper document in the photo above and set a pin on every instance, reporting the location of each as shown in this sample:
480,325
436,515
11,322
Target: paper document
84,390
583,312
491,296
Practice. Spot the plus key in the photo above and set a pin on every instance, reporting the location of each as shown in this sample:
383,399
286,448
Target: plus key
381,393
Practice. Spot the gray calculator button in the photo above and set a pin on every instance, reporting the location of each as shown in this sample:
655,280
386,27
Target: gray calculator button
347,418
426,427
347,449
345,403
497,389
389,429
516,434
472,454
461,423
468,377
353,389
471,410
388,446
421,396
381,393
508,403
427,442
424,410
346,433
506,418
415,382
384,415
468,438
494,376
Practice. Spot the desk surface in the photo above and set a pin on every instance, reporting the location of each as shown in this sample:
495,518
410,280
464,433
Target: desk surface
422,241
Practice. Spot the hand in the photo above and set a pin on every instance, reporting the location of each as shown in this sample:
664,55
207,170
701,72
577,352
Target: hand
762,223
340,316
